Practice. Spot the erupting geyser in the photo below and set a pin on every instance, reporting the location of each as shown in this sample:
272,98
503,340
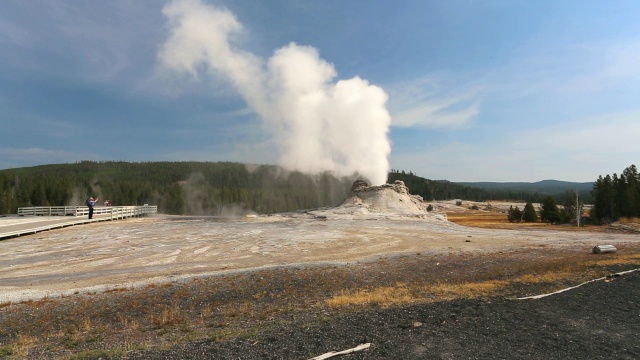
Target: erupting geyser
319,125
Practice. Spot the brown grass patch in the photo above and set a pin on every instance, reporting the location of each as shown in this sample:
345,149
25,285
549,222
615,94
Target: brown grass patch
23,344
491,220
382,296
616,259
496,220
627,220
401,293
556,274
170,315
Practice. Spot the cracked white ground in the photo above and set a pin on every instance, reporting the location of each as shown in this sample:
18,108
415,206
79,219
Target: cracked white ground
136,252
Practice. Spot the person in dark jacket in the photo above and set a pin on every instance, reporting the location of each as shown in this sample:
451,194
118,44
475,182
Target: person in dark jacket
91,203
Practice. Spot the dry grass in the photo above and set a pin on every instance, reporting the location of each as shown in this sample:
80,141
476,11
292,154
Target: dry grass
493,220
619,259
627,220
466,290
402,294
170,315
498,220
23,345
382,296
556,274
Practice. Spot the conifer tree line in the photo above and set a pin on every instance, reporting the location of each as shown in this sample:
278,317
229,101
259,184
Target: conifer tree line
437,189
529,214
613,197
616,196
189,188
193,188
210,188
550,211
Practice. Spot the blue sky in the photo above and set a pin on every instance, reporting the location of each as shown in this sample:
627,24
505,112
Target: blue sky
477,90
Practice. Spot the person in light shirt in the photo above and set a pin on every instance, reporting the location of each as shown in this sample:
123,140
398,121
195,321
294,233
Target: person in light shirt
91,203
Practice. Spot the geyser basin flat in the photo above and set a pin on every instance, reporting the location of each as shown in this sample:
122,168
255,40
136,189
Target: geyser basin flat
138,251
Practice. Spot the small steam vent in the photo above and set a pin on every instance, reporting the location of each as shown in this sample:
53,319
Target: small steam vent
359,185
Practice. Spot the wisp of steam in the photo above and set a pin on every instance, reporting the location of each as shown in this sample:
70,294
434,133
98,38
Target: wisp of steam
318,123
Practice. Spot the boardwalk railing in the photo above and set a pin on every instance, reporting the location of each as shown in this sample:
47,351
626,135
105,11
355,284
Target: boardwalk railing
116,212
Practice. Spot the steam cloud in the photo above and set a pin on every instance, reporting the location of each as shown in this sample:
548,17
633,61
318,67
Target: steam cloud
320,125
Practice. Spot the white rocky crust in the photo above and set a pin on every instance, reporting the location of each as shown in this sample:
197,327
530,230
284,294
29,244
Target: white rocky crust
388,200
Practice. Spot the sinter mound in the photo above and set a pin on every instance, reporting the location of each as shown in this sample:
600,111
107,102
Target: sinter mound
384,200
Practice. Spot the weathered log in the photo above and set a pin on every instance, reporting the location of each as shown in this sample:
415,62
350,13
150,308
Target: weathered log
343,352
604,249
577,286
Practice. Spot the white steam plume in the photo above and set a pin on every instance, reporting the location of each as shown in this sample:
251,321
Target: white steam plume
319,125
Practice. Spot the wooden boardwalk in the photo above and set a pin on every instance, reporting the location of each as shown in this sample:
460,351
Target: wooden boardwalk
36,219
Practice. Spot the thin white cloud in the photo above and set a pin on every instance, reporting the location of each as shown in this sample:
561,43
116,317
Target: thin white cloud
574,150
242,112
600,66
12,34
466,161
436,114
601,139
97,41
425,103
568,69
256,151
624,59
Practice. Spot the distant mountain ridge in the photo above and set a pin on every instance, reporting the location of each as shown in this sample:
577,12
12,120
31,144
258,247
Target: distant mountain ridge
550,187
488,191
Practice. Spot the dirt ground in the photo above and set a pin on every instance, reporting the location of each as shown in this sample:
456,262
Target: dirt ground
599,320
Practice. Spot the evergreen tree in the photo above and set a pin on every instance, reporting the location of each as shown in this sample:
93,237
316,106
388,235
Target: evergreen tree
514,214
629,192
529,214
599,201
550,212
39,196
610,197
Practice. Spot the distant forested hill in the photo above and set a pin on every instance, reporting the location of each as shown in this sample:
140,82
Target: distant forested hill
544,187
196,188
487,191
214,188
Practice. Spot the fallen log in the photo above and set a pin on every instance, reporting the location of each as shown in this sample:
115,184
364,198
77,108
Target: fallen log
577,286
343,352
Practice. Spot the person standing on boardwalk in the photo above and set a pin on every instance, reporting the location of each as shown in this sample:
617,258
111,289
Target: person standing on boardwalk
91,203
